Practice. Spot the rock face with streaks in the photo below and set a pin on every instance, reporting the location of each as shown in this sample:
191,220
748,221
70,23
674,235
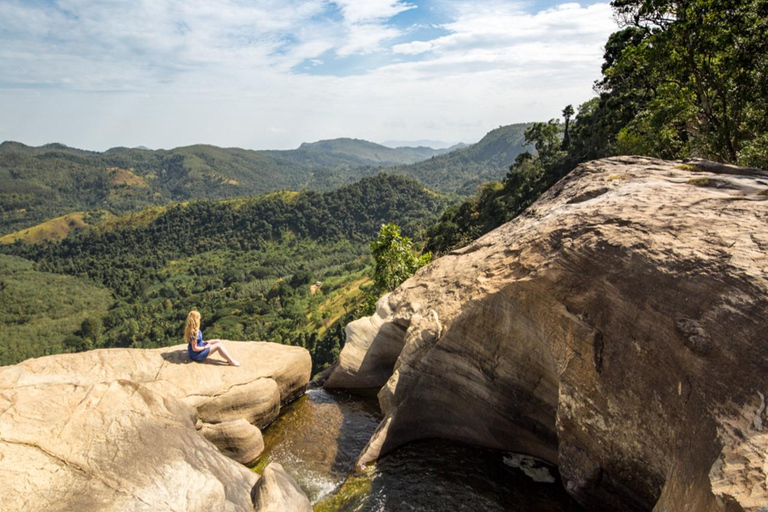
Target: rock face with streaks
278,492
120,429
617,329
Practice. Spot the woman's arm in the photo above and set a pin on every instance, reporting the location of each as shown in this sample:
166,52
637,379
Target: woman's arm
199,344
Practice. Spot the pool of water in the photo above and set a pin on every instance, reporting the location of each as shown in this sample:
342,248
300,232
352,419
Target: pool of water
318,438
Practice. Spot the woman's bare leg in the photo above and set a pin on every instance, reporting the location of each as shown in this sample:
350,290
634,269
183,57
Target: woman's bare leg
219,347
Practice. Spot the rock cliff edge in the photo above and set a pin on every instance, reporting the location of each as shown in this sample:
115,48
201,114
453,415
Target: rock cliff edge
125,429
617,329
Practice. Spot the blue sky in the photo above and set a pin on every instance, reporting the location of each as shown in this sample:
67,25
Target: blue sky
275,73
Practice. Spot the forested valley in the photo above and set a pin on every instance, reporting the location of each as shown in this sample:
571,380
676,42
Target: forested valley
284,267
38,184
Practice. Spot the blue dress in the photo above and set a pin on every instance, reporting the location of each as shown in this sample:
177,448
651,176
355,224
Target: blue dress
198,356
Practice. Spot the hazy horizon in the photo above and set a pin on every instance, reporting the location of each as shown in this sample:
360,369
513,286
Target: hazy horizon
272,75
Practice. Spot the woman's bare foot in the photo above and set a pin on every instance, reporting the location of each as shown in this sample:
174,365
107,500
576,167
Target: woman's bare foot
234,363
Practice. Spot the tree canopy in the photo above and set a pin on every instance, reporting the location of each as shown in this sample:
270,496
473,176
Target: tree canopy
695,73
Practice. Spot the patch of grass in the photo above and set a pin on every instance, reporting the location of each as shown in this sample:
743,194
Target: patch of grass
687,167
125,177
614,177
138,219
54,229
337,303
699,182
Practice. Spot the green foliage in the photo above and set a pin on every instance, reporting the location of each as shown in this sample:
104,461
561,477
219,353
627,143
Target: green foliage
496,203
395,259
41,310
567,114
91,329
73,343
245,264
696,71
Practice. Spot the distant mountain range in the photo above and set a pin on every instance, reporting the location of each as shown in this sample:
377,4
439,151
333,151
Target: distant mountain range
434,144
39,183
355,152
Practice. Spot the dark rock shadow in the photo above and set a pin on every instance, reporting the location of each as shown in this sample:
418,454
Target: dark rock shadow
181,357
422,474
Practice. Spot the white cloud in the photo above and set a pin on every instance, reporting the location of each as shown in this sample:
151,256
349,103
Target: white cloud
365,24
414,47
366,11
366,38
505,34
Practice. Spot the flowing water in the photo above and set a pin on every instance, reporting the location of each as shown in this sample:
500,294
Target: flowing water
318,438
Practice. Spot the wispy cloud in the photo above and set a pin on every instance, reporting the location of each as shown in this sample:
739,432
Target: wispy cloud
365,24
361,12
507,35
113,45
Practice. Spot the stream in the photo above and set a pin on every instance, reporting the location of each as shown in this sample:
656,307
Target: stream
318,438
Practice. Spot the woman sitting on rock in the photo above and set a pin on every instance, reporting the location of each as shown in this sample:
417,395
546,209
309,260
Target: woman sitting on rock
197,348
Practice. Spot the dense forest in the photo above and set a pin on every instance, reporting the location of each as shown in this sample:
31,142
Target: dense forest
680,80
284,267
37,184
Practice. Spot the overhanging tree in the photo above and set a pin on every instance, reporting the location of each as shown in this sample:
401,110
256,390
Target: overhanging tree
703,66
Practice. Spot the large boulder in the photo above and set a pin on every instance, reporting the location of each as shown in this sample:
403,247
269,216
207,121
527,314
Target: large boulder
617,329
238,439
118,429
209,385
276,491
111,446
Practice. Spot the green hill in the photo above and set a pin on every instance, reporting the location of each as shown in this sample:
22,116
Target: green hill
462,170
358,152
41,183
247,264
38,183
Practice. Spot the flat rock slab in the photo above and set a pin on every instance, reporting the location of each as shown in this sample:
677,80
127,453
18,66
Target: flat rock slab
116,429
170,370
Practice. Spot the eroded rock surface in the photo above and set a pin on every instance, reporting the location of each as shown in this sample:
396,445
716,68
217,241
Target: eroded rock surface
276,491
238,439
118,429
617,329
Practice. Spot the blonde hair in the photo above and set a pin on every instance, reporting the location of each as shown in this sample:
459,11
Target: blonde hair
192,327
